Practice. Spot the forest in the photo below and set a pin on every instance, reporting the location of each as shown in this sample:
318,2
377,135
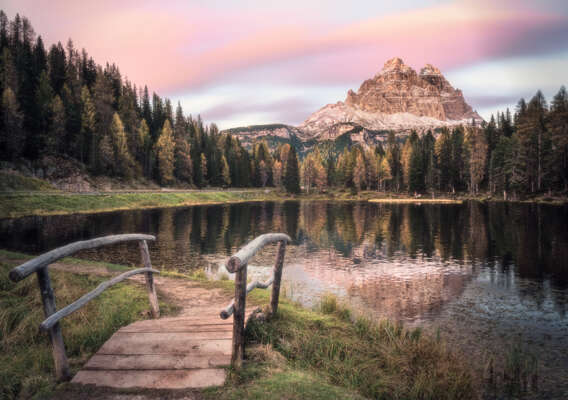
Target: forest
60,102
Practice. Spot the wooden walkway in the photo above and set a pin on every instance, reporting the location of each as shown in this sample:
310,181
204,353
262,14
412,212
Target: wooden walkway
166,353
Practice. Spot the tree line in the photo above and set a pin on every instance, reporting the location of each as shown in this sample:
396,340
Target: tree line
60,102
525,153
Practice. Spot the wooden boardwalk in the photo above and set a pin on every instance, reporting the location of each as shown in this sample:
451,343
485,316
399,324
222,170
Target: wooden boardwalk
166,353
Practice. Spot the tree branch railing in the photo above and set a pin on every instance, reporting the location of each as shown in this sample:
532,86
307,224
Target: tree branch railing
238,264
40,264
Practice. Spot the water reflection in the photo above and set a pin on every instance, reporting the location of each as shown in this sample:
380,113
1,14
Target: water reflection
403,261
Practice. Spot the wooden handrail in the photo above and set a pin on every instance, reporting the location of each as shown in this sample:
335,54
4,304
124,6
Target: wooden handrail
228,311
240,259
238,265
40,264
65,311
33,265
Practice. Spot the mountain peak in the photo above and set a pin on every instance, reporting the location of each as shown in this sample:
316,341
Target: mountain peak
395,64
429,69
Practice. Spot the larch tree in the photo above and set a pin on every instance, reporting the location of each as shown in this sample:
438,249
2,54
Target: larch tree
165,148
122,158
225,172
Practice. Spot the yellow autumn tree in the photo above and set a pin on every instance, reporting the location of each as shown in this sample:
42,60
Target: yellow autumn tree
165,147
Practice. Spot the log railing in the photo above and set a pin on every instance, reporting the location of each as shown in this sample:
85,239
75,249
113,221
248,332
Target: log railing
238,264
40,264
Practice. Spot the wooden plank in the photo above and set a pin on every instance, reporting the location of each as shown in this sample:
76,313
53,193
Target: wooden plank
157,361
241,258
211,335
49,308
177,328
153,379
56,316
142,344
151,288
42,261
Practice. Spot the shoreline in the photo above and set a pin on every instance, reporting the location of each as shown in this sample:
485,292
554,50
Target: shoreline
24,204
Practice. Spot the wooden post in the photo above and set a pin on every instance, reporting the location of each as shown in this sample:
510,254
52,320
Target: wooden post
154,305
239,317
277,277
58,347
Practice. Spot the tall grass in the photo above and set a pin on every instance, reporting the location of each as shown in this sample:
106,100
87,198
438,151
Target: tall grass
26,364
379,360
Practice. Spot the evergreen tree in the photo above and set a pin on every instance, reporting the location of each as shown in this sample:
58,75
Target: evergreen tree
123,163
12,135
291,173
165,148
225,173
88,125
56,134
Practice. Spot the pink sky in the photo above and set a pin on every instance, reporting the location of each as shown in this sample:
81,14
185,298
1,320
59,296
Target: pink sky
233,56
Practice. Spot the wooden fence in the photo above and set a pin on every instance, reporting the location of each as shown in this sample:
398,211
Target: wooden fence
40,264
238,264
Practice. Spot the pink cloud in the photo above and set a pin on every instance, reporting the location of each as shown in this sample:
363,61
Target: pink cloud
176,46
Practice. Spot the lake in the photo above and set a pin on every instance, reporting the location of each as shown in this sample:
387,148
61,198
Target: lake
484,276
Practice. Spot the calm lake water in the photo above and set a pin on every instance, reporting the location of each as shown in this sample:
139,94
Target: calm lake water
483,275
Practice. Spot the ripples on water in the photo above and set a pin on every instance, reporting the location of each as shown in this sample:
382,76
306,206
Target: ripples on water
485,273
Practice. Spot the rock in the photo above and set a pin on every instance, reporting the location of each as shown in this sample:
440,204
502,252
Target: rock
396,99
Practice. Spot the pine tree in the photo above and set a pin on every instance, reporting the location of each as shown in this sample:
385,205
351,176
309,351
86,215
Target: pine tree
225,173
165,148
44,98
203,170
478,150
558,126
291,174
123,163
12,136
56,134
358,171
88,125
144,147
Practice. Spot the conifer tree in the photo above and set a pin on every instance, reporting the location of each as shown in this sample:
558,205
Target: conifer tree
291,174
12,136
225,173
88,125
123,163
165,148
56,133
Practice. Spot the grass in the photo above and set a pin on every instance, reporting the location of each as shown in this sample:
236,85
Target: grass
26,365
15,182
327,353
416,200
18,205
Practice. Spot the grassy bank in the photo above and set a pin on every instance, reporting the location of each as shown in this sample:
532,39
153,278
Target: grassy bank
26,364
19,205
344,357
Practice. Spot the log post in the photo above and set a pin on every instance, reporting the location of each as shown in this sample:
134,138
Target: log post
154,305
239,317
277,277
58,347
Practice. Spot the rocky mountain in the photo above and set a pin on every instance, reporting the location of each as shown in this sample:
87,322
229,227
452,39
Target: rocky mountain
396,99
